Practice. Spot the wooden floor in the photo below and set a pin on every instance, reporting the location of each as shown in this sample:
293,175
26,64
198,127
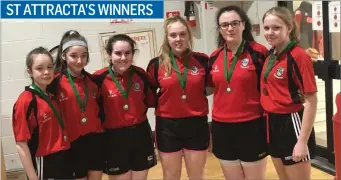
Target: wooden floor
212,171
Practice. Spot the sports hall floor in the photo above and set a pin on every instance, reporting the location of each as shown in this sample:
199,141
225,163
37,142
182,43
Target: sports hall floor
212,172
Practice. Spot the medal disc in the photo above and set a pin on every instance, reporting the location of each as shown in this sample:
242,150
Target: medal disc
84,120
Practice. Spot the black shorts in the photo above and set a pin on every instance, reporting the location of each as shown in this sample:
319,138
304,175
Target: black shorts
87,154
283,131
175,134
54,166
129,148
245,141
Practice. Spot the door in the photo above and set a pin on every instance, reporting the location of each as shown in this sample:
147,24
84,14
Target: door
317,32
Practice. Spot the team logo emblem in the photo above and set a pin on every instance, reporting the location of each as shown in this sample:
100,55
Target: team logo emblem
216,68
111,94
279,72
114,169
166,76
137,86
62,97
151,159
245,63
46,117
195,70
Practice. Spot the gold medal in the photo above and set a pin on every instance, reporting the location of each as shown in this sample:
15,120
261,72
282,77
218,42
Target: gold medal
125,107
183,97
228,89
84,120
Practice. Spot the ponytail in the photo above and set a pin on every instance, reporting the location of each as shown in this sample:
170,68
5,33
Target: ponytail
70,38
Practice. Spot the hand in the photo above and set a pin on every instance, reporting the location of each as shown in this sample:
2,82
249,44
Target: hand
300,151
34,178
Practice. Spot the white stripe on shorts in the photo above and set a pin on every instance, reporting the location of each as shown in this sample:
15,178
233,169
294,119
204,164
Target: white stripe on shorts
297,124
40,167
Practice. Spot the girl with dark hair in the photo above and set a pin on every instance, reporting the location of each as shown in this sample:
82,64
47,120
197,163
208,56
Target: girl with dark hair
289,97
238,128
125,95
78,95
38,127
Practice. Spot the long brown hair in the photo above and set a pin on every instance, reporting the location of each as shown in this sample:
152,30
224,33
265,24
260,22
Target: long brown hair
288,18
164,58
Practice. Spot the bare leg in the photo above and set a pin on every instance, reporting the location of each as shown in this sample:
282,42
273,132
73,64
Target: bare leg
300,170
125,176
171,165
195,163
280,168
255,170
140,175
232,170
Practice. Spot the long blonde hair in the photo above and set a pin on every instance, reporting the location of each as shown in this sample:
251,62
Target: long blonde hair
288,18
164,58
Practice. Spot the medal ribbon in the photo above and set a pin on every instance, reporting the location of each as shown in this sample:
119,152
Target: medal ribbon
180,78
228,73
49,102
81,104
273,58
130,78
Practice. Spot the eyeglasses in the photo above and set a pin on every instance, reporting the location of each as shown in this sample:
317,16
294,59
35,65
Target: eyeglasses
225,25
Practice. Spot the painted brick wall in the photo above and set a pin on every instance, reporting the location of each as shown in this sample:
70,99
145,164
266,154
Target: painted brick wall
19,37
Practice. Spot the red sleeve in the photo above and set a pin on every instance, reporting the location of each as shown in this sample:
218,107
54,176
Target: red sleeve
150,71
305,66
22,127
151,97
151,88
96,90
210,62
204,60
151,93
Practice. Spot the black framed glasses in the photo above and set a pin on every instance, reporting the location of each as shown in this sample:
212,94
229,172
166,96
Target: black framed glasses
225,25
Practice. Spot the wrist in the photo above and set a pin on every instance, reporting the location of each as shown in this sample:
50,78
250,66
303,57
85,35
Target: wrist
302,139
32,176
